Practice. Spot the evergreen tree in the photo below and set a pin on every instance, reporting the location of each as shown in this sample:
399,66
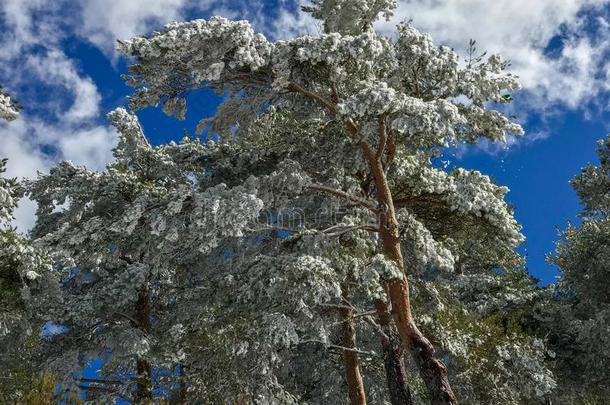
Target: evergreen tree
28,287
577,320
294,258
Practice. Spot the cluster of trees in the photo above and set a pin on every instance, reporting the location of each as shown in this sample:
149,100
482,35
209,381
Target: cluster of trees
314,252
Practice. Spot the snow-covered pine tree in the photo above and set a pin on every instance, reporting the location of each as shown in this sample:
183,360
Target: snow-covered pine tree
331,140
393,101
577,319
134,231
28,286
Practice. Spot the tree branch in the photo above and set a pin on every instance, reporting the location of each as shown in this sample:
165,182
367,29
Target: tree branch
431,198
331,346
344,230
98,381
349,124
321,100
351,198
391,151
382,136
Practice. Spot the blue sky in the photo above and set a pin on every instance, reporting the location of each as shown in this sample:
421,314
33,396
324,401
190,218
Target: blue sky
58,59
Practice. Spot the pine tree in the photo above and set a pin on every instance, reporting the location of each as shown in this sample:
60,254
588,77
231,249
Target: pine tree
27,285
293,259
577,320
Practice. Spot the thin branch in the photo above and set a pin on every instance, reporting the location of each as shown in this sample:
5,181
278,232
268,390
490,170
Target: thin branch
352,199
331,346
370,228
129,318
340,307
336,306
349,124
365,314
378,328
321,100
431,198
334,96
349,349
382,137
352,306
98,381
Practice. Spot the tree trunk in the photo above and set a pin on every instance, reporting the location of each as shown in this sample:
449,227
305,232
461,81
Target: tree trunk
432,370
144,378
395,371
353,376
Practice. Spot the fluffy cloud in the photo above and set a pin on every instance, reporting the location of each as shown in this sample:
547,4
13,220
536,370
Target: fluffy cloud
61,117
559,49
59,71
34,146
105,21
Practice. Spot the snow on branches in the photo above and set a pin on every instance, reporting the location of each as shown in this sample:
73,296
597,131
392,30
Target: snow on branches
9,109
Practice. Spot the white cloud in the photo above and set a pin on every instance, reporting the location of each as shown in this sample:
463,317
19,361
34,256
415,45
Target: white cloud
289,24
18,15
34,146
58,70
574,75
31,57
61,117
88,147
105,21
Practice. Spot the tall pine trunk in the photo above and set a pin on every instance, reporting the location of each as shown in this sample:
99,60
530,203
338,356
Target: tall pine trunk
144,377
393,360
432,370
353,375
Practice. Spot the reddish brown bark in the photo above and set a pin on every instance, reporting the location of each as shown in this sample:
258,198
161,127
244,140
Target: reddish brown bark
143,308
395,371
353,376
432,370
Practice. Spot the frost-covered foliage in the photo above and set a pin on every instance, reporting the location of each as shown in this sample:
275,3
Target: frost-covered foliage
28,289
235,261
578,318
10,193
593,184
350,16
411,82
9,108
135,231
506,363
